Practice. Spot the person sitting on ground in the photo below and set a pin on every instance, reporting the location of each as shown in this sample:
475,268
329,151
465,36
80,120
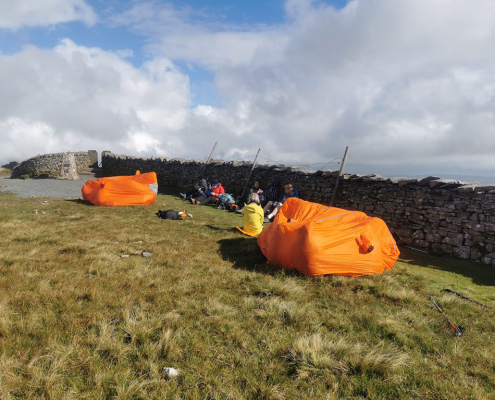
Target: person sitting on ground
199,190
252,216
255,189
211,195
290,191
272,192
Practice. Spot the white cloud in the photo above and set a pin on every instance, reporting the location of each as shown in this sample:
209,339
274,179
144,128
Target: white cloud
407,85
79,98
296,8
142,142
174,32
402,83
29,136
15,14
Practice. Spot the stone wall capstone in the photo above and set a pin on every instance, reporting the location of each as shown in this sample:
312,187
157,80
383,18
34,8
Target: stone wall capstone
438,215
50,165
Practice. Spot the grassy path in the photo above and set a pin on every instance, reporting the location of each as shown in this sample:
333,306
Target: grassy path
77,321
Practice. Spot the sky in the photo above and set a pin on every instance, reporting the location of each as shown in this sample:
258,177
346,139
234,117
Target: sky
407,85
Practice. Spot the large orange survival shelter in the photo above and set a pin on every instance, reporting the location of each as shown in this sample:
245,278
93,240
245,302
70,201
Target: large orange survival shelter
134,190
321,240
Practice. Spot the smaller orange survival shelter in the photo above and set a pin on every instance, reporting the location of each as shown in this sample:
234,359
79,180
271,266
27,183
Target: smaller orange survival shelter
321,240
115,191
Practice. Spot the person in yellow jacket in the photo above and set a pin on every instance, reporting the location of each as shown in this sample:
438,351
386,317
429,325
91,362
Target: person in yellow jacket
252,216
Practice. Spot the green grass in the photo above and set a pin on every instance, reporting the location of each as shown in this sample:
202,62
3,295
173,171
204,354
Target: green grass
77,321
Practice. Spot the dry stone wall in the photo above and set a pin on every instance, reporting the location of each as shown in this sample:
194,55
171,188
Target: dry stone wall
314,186
50,165
442,216
432,214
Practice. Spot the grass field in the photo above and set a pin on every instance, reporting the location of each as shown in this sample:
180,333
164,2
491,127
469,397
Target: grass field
77,321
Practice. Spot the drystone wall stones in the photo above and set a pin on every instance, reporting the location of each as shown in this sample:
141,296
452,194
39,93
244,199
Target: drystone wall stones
426,181
50,165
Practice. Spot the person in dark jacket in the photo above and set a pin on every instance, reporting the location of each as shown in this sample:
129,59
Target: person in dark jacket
199,190
211,195
257,190
290,191
272,193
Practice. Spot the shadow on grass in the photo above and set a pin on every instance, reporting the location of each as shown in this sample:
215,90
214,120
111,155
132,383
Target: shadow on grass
482,275
244,253
80,202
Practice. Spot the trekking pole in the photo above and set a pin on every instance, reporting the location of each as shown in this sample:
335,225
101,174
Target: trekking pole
458,330
464,297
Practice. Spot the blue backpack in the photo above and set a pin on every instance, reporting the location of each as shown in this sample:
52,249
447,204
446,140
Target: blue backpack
226,199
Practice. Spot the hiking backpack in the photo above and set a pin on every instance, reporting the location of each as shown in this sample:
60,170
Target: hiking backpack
226,199
168,214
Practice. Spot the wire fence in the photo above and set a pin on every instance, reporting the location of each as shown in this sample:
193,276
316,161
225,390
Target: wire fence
250,158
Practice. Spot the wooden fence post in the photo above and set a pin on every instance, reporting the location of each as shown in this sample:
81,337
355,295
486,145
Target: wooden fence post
214,147
334,192
250,172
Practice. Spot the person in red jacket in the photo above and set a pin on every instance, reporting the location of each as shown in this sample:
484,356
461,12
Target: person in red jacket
211,196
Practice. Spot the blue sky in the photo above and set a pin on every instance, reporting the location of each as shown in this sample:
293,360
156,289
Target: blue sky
409,86
107,36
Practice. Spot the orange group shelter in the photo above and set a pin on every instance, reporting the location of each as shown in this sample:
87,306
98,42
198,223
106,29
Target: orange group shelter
134,190
321,240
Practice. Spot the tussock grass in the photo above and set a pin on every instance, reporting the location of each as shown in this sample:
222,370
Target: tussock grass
316,354
5,172
77,321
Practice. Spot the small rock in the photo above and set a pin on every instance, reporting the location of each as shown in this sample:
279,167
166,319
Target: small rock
44,203
124,256
35,212
171,372
138,252
138,242
189,215
147,254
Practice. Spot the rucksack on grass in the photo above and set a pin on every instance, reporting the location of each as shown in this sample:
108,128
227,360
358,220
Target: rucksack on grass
168,214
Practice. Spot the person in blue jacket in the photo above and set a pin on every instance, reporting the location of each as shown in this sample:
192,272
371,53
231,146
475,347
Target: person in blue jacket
290,191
